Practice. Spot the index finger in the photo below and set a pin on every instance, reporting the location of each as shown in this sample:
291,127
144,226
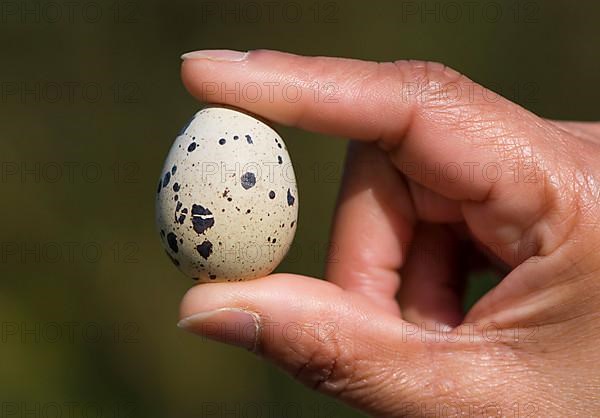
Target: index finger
440,129
337,96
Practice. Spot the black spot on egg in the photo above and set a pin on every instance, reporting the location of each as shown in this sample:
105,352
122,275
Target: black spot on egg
249,139
279,159
271,194
166,179
159,186
173,170
181,219
162,233
248,180
176,187
235,137
222,141
212,276
290,199
191,147
172,241
179,205
205,249
184,210
202,218
200,210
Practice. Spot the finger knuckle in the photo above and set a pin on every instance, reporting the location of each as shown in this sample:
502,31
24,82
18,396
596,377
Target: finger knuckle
431,83
326,365
339,366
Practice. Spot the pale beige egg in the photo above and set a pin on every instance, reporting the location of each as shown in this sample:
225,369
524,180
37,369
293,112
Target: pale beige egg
227,201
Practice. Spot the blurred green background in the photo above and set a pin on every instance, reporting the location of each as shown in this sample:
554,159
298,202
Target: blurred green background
91,100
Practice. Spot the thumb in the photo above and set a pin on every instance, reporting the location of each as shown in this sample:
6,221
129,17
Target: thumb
344,345
331,340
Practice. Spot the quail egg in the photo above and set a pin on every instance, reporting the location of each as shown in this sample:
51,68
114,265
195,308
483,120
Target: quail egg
227,201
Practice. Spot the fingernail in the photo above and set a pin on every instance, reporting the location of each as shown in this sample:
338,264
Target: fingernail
216,55
227,325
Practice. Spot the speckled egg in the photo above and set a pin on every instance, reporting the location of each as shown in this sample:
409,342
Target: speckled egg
227,201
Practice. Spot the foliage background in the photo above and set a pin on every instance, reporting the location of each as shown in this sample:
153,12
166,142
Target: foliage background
541,54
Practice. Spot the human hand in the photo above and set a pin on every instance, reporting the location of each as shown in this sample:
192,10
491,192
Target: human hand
386,332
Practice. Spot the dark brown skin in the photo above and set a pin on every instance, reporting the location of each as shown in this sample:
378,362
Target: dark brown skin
386,332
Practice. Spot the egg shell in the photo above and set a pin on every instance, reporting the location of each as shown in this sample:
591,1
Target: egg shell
227,201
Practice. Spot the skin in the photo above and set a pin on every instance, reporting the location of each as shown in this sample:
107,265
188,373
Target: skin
392,339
